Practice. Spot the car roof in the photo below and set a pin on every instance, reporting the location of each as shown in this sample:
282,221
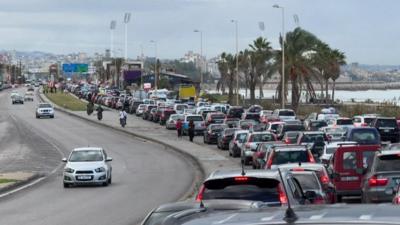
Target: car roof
389,152
336,144
88,149
290,148
221,174
302,165
313,132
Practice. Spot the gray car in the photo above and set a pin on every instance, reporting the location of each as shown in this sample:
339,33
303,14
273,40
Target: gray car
383,177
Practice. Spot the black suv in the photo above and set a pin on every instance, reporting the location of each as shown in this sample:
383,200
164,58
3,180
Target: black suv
387,127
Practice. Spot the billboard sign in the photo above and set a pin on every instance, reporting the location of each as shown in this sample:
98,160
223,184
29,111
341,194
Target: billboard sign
75,68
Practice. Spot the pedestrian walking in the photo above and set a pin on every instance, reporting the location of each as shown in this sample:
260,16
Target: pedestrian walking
191,130
178,126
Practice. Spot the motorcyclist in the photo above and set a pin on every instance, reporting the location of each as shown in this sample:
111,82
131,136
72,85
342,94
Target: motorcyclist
122,117
99,112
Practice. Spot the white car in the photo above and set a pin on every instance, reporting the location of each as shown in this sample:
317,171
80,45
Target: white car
45,109
28,96
87,165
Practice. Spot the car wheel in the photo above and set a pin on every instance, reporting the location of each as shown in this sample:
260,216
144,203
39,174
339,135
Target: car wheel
105,184
230,154
66,185
109,180
52,116
339,198
37,117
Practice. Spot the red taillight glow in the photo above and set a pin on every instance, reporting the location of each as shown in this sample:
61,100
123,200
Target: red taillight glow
374,181
298,169
311,158
324,179
241,179
287,141
282,196
199,196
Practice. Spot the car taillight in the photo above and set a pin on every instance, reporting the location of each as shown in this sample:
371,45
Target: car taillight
324,179
269,162
374,181
298,169
364,125
311,158
199,196
282,196
287,141
241,179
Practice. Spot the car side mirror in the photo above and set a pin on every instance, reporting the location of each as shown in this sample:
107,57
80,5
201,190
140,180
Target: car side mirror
64,159
310,195
109,159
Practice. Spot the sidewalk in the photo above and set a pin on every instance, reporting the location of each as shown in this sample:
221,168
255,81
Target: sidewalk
208,160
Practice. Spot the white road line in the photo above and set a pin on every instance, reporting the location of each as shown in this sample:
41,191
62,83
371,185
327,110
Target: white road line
317,217
22,187
365,217
225,220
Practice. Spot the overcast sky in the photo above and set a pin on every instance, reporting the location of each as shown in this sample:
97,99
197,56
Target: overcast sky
366,30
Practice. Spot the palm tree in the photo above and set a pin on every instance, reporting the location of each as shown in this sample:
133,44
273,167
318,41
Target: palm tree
226,66
322,60
260,56
338,59
299,46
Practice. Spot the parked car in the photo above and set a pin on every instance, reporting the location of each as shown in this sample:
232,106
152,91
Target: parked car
363,120
290,137
341,122
210,135
258,159
134,104
327,186
235,112
147,110
171,122
165,114
250,146
283,128
334,133
347,167
288,154
273,126
387,128
232,122
246,124
382,179
285,114
225,137
265,115
235,145
44,110
87,165
199,124
214,117
180,108
140,109
364,136
314,125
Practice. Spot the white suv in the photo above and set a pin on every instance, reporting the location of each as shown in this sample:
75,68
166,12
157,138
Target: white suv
44,109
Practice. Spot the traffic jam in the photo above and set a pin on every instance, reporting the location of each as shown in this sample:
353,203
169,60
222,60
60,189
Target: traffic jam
322,159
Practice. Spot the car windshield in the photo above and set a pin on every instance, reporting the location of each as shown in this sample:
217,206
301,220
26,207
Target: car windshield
308,181
44,106
283,157
286,113
319,124
313,137
218,116
86,156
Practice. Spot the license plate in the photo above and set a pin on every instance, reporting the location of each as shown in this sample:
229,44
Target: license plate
84,177
386,130
349,178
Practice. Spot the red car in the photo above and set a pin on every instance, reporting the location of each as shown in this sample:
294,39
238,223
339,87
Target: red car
288,154
165,115
348,166
214,117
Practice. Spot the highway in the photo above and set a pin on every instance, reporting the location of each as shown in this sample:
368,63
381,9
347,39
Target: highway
145,174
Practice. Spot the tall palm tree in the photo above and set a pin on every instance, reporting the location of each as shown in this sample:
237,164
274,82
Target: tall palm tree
261,54
226,66
338,59
298,63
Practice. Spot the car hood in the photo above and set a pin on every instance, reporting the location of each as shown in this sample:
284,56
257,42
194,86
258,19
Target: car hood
85,165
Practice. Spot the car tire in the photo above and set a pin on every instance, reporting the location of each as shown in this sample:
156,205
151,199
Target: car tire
37,117
105,184
109,180
339,198
66,185
52,116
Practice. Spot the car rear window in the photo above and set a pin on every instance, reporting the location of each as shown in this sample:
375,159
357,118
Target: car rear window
365,136
344,122
349,160
253,116
230,131
195,118
218,127
308,181
283,157
319,124
388,163
293,128
386,123
312,137
218,116
265,190
286,113
262,137
368,120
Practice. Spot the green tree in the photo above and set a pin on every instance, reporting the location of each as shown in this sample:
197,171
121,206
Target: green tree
226,66
338,59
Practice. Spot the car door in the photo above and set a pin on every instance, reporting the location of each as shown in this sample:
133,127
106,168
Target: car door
346,164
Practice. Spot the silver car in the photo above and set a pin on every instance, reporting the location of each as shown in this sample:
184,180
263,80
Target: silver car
171,122
87,165
44,109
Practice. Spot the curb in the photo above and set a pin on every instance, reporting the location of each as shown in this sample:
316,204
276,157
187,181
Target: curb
199,169
20,183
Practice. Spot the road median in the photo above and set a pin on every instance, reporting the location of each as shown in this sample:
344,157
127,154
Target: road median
12,181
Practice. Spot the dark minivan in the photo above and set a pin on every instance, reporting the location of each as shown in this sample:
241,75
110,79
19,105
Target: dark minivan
387,128
235,112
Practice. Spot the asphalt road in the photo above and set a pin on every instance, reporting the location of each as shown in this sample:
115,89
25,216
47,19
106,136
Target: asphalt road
144,174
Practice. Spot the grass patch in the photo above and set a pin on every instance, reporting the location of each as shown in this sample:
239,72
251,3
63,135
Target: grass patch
67,101
4,180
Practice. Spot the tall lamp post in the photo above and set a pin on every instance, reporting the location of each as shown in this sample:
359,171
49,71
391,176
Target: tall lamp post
113,25
237,62
127,18
283,54
155,65
201,58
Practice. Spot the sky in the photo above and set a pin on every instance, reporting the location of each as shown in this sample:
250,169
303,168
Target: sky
367,31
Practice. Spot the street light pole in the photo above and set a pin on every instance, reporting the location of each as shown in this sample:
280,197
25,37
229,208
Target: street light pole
283,55
201,58
113,25
155,66
237,62
127,18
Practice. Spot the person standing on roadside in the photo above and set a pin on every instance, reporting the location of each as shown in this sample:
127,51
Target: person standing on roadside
178,126
191,130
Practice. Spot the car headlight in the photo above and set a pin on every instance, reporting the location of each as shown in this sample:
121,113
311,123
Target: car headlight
100,169
68,170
